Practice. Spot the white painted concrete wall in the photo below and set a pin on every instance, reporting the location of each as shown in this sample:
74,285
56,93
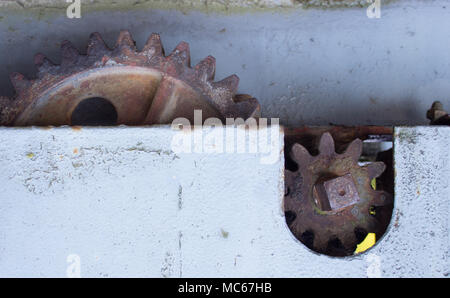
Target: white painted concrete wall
122,201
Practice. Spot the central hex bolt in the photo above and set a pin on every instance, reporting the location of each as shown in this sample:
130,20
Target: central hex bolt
335,193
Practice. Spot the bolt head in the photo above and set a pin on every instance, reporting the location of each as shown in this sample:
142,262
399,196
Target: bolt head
336,193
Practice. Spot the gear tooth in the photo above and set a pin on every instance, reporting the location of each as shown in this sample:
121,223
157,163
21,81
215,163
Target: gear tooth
289,175
8,110
154,44
69,53
96,45
19,81
300,155
382,198
375,169
354,150
289,180
230,83
326,146
181,54
125,40
5,103
436,106
320,242
246,106
370,225
42,62
206,69
349,242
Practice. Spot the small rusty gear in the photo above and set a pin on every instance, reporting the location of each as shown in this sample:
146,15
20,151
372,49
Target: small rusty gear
141,87
329,203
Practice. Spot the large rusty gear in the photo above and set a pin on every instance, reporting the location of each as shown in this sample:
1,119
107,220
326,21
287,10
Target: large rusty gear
144,87
330,204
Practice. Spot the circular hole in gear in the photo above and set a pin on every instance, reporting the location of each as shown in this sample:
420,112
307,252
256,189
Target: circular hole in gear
95,111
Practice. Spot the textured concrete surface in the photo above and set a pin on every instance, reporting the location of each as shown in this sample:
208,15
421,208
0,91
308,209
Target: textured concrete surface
420,224
306,66
122,201
127,205
214,4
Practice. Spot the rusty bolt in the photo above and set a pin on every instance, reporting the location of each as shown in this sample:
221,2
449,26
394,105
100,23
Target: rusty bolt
437,111
332,194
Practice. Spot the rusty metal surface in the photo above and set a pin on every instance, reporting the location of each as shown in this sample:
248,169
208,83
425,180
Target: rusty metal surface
340,192
308,136
329,203
438,115
144,87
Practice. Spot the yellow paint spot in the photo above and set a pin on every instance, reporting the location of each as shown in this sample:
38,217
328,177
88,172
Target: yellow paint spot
374,183
75,151
366,244
224,233
30,155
